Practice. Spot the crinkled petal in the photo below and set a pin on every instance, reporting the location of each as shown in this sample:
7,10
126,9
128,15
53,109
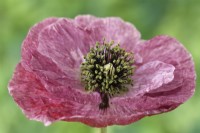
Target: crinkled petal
150,76
64,44
60,46
169,95
29,94
111,28
38,104
47,87
32,60
170,51
31,41
83,21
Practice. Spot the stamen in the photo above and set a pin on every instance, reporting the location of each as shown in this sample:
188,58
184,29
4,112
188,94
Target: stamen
107,69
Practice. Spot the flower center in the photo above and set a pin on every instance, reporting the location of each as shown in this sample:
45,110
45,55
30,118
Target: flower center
107,69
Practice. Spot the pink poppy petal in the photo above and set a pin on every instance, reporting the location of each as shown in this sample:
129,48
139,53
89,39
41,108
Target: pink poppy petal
169,50
151,76
33,97
58,46
84,20
63,43
37,104
111,28
46,84
31,42
168,96
29,94
32,60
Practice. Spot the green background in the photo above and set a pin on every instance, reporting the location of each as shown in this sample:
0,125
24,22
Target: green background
177,18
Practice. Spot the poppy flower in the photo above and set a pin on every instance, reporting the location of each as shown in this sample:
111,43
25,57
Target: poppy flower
99,71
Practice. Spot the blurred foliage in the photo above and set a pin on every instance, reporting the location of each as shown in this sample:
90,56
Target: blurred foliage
177,18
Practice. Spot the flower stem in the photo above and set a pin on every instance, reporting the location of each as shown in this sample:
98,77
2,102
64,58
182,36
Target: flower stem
104,130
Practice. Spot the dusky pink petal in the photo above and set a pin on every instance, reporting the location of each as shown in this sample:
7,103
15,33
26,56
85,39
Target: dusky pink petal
64,44
151,76
31,42
32,60
168,96
83,21
118,114
29,94
47,87
38,104
170,51
112,28
60,46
